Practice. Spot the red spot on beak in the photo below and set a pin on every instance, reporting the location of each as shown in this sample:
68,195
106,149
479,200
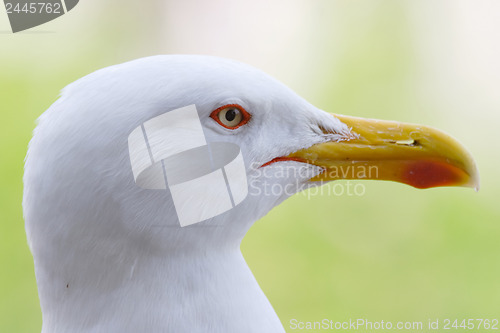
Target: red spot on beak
425,174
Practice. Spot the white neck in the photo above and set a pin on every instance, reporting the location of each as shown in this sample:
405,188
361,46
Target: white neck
197,292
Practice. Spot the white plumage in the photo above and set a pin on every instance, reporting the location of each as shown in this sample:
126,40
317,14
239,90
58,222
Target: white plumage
108,258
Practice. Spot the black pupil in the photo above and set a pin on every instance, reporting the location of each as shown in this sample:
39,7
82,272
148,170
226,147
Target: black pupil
230,114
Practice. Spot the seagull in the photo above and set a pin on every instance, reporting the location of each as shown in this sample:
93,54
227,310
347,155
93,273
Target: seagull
111,256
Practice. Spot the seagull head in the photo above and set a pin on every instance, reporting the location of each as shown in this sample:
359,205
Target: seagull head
93,230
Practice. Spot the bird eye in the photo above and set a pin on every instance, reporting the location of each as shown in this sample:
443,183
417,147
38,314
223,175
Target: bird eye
231,116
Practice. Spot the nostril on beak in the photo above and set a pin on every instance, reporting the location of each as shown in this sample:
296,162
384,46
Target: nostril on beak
409,142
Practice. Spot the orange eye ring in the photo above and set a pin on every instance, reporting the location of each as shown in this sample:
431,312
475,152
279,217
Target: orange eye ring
231,116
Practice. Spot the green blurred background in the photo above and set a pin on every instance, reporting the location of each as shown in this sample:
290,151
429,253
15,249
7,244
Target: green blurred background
394,253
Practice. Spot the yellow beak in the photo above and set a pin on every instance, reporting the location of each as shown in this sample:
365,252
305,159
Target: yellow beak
416,155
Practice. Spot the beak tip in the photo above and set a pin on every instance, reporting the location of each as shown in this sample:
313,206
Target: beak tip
475,181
